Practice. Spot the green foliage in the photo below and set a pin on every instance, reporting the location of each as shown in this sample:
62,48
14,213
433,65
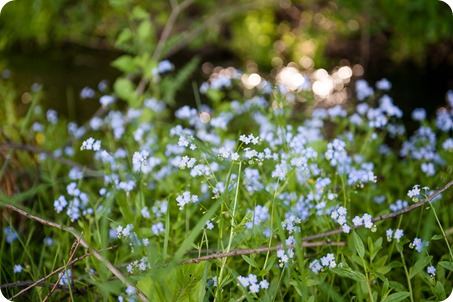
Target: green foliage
238,184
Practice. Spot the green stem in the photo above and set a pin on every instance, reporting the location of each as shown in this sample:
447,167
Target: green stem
407,277
367,280
441,229
233,224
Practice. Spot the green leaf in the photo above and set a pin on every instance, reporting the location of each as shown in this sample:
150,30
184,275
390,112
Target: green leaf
421,263
397,297
297,286
437,237
349,273
439,289
124,37
384,269
250,261
144,31
174,283
359,247
446,264
313,282
125,89
125,64
186,244
139,13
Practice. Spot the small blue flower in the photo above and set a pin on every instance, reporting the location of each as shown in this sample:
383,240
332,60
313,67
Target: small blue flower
17,268
10,234
431,270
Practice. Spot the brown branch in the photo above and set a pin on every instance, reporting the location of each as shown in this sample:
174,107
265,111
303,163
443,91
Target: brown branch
77,291
306,241
73,250
41,282
387,216
76,234
17,146
264,249
176,10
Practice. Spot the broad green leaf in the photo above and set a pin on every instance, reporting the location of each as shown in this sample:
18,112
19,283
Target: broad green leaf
386,268
125,63
125,89
419,266
359,247
250,261
446,264
297,286
439,289
313,282
349,273
145,31
138,13
124,37
396,297
175,283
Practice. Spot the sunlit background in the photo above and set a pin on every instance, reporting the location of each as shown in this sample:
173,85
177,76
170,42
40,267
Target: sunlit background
323,46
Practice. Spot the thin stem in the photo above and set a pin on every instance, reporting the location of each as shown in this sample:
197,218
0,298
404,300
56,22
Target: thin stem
233,223
442,230
367,280
407,277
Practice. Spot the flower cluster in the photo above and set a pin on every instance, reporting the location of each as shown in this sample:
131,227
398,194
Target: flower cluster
398,234
318,265
139,265
251,282
418,244
185,198
91,144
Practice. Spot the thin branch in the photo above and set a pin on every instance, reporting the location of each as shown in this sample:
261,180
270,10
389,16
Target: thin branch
41,281
264,249
76,234
17,146
77,291
306,241
387,216
176,10
73,250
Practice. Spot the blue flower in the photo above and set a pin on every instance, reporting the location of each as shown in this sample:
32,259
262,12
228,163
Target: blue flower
431,270
17,268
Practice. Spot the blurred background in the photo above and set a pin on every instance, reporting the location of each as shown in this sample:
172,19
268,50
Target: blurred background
66,45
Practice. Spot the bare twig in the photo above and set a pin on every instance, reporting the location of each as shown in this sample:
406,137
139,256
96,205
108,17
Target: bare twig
71,255
76,234
306,241
264,249
176,10
41,282
28,284
387,216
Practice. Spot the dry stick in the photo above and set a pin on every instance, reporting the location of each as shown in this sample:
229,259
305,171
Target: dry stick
71,255
264,249
51,155
40,282
387,216
94,252
77,291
